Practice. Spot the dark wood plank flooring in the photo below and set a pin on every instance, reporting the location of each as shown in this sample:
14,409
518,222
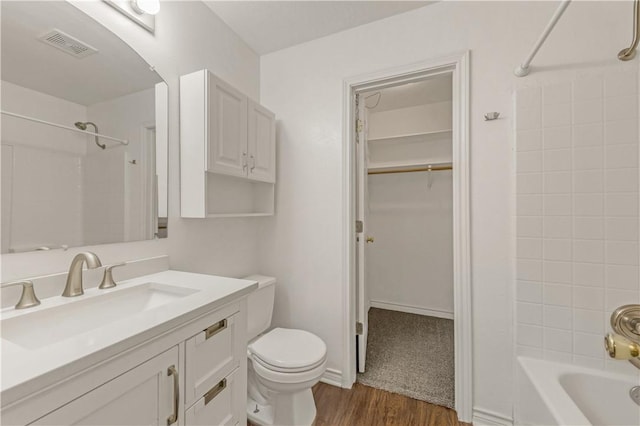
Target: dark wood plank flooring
366,406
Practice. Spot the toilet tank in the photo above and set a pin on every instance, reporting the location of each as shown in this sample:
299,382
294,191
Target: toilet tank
260,305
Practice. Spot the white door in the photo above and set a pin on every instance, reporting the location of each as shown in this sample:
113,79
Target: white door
227,129
362,307
142,396
262,143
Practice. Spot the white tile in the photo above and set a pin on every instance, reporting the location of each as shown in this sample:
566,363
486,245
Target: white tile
587,88
588,181
588,135
588,228
529,226
557,340
618,156
588,321
529,248
529,205
557,317
529,97
529,335
529,351
624,277
529,161
557,272
587,112
528,118
588,344
588,362
557,250
616,298
529,183
529,270
588,274
588,251
588,298
588,158
621,132
555,356
621,228
557,205
620,83
556,93
556,115
557,137
557,182
556,160
529,140
622,204
621,252
621,108
557,227
529,291
557,294
588,204
529,313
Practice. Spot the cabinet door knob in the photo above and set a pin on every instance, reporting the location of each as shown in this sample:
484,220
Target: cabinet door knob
171,371
253,162
244,161
369,239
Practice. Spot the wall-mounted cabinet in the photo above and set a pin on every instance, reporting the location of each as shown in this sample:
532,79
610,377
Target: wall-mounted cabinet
228,150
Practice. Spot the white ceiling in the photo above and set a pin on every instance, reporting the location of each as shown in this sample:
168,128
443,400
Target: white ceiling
428,91
116,70
267,26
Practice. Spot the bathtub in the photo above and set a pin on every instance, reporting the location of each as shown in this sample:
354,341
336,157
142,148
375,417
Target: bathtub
551,393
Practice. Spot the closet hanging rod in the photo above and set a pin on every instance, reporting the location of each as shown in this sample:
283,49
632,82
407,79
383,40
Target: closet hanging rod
73,129
411,170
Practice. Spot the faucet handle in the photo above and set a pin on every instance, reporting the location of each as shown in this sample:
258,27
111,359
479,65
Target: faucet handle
28,297
107,279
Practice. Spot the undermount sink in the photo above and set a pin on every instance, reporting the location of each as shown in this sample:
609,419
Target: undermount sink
43,327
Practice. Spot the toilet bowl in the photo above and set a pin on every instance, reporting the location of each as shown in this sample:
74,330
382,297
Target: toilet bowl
283,364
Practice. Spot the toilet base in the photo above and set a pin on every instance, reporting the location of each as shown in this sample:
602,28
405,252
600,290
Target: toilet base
297,409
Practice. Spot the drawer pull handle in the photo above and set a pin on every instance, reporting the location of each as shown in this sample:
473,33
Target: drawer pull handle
171,371
215,329
215,391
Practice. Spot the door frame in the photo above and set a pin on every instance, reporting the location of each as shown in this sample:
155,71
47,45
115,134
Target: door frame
458,65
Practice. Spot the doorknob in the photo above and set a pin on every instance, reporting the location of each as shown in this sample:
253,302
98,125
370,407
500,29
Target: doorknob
369,239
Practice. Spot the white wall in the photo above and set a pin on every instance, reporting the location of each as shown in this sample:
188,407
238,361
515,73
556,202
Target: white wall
188,37
42,171
577,213
302,246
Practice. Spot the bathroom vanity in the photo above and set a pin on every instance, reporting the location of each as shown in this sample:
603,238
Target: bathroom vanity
167,348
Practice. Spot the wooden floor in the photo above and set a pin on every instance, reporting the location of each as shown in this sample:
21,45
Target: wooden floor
366,406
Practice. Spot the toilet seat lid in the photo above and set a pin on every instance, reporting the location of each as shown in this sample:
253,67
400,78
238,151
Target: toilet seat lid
289,349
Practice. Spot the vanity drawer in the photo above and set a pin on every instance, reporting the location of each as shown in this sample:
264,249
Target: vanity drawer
210,356
221,405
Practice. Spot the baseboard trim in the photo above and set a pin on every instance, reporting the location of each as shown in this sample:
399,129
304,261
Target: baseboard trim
332,377
411,309
482,417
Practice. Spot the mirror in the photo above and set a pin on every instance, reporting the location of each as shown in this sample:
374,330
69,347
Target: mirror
84,133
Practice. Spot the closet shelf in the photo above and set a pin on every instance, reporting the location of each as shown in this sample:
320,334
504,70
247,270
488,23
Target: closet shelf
411,135
405,167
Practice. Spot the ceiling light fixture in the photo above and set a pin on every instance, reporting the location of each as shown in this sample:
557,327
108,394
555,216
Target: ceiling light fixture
150,7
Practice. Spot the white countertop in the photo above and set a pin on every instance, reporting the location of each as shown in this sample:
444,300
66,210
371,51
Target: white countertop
25,370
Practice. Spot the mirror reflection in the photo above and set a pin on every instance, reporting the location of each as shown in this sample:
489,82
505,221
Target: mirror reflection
84,128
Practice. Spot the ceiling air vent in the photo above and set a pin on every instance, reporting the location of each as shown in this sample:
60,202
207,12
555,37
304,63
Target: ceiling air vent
68,44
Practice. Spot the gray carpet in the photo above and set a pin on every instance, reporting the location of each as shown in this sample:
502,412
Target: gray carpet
411,355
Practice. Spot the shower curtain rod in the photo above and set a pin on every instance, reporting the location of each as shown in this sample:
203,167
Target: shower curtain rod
523,69
73,129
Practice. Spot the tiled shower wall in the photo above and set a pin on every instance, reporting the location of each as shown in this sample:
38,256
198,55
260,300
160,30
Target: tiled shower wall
577,214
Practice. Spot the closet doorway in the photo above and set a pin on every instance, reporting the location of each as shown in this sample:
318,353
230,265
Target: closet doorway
408,274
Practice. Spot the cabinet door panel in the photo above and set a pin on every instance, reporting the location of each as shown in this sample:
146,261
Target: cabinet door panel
262,143
141,396
227,129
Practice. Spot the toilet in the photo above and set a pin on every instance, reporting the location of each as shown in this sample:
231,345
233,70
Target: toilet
283,364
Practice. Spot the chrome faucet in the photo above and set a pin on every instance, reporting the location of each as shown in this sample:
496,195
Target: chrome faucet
74,278
624,343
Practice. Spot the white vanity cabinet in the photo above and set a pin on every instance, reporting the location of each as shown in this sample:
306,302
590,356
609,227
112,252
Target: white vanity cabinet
195,374
227,150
